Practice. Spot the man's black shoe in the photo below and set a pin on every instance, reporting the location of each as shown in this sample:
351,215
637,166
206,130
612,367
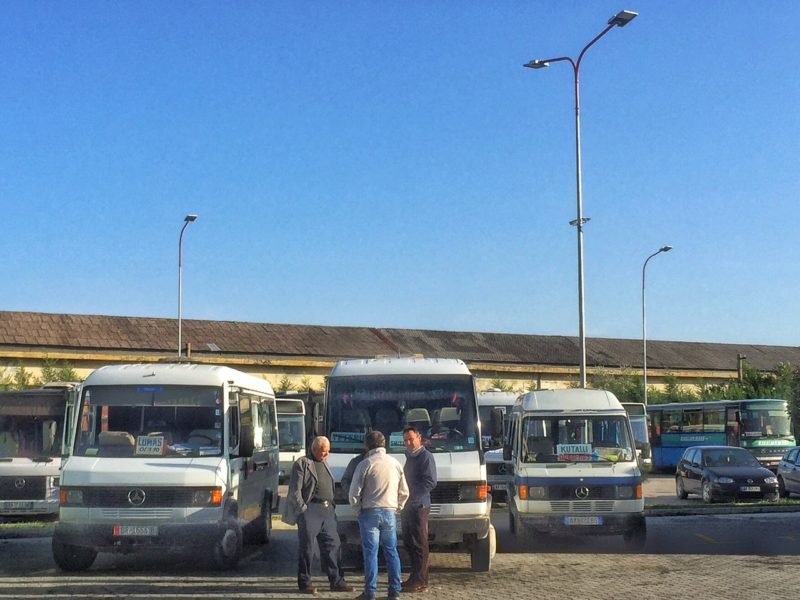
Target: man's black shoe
363,596
342,587
311,590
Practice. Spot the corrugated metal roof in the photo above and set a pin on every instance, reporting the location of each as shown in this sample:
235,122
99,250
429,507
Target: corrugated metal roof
93,332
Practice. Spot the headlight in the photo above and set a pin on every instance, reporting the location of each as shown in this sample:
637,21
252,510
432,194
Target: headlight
537,492
210,497
470,492
629,492
772,480
725,480
70,497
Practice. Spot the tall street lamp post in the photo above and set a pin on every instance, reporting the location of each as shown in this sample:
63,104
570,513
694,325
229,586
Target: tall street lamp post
619,20
644,319
188,219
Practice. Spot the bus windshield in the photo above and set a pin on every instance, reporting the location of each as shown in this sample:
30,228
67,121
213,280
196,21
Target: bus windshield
24,436
765,419
291,432
152,421
599,438
441,407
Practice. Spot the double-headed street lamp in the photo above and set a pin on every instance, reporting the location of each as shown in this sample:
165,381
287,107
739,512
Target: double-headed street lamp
187,219
644,319
619,20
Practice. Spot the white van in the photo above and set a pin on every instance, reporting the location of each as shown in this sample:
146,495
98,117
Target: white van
438,397
292,433
33,437
575,466
494,407
168,455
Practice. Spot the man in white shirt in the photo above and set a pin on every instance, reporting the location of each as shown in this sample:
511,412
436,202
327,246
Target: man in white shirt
378,491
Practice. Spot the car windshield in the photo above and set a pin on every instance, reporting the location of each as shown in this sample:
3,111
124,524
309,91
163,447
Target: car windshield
729,458
441,407
555,439
291,432
152,421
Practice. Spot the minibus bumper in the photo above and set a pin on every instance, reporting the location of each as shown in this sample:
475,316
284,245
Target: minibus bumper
102,536
602,524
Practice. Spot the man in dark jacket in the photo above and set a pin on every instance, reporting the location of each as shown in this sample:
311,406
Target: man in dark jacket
311,495
420,472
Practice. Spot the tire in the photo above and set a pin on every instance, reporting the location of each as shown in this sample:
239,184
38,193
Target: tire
228,548
512,523
680,490
782,488
635,538
480,554
260,530
72,558
708,498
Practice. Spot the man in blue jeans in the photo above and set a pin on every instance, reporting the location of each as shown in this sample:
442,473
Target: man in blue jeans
377,493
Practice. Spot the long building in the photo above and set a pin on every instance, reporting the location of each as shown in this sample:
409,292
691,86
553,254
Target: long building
302,355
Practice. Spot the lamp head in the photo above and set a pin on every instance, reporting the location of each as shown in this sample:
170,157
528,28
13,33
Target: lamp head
537,64
622,18
190,218
665,249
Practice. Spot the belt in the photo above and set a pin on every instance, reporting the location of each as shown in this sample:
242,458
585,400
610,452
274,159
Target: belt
325,503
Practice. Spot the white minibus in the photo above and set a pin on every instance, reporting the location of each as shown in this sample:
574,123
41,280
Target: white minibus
291,432
575,466
437,396
33,437
494,407
168,456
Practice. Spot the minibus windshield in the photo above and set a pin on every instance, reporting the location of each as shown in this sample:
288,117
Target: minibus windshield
557,439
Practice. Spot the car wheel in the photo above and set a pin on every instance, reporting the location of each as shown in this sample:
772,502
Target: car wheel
72,558
228,548
680,490
512,523
708,498
782,488
636,538
482,552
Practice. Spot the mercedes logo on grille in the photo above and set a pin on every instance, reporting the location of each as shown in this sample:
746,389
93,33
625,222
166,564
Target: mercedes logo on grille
136,497
582,492
749,481
19,483
501,468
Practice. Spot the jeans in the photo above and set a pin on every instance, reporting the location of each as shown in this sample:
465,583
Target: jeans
378,527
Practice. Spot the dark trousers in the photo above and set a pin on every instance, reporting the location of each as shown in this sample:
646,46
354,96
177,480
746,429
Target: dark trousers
415,540
318,523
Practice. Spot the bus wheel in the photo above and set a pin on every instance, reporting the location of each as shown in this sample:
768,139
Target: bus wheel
512,523
635,538
72,558
260,530
481,552
228,548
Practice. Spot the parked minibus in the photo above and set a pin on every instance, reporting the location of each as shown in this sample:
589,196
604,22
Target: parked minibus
437,396
494,407
575,467
168,456
291,432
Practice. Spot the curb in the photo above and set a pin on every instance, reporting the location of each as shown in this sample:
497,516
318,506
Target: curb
686,511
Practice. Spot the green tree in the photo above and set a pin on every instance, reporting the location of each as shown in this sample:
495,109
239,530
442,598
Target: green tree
285,385
626,385
53,371
23,378
305,384
501,385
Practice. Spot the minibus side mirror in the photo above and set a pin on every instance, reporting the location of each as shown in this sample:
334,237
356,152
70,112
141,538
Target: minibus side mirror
506,452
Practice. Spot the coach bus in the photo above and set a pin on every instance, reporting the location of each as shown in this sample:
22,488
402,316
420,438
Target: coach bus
637,414
761,425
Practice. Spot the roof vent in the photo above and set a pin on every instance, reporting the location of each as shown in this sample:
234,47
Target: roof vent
213,347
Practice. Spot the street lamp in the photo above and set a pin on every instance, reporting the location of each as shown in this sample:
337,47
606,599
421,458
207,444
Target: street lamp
619,20
187,219
644,320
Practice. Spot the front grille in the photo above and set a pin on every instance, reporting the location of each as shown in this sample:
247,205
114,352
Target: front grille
129,514
22,488
569,492
154,497
582,506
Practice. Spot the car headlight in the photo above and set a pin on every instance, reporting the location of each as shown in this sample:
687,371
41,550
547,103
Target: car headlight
771,480
208,497
70,497
472,492
629,492
725,480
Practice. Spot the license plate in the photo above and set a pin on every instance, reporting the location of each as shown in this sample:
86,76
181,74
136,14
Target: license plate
749,488
17,505
583,520
136,530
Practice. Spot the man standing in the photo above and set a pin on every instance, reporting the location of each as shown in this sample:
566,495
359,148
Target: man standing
311,499
377,492
420,472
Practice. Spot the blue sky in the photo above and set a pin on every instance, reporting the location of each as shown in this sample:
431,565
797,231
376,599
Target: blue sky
392,164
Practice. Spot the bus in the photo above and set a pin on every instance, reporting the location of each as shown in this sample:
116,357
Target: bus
167,456
437,396
637,414
494,408
760,425
575,467
33,437
291,433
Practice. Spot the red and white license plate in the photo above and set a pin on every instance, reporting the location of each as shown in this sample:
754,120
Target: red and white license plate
135,530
